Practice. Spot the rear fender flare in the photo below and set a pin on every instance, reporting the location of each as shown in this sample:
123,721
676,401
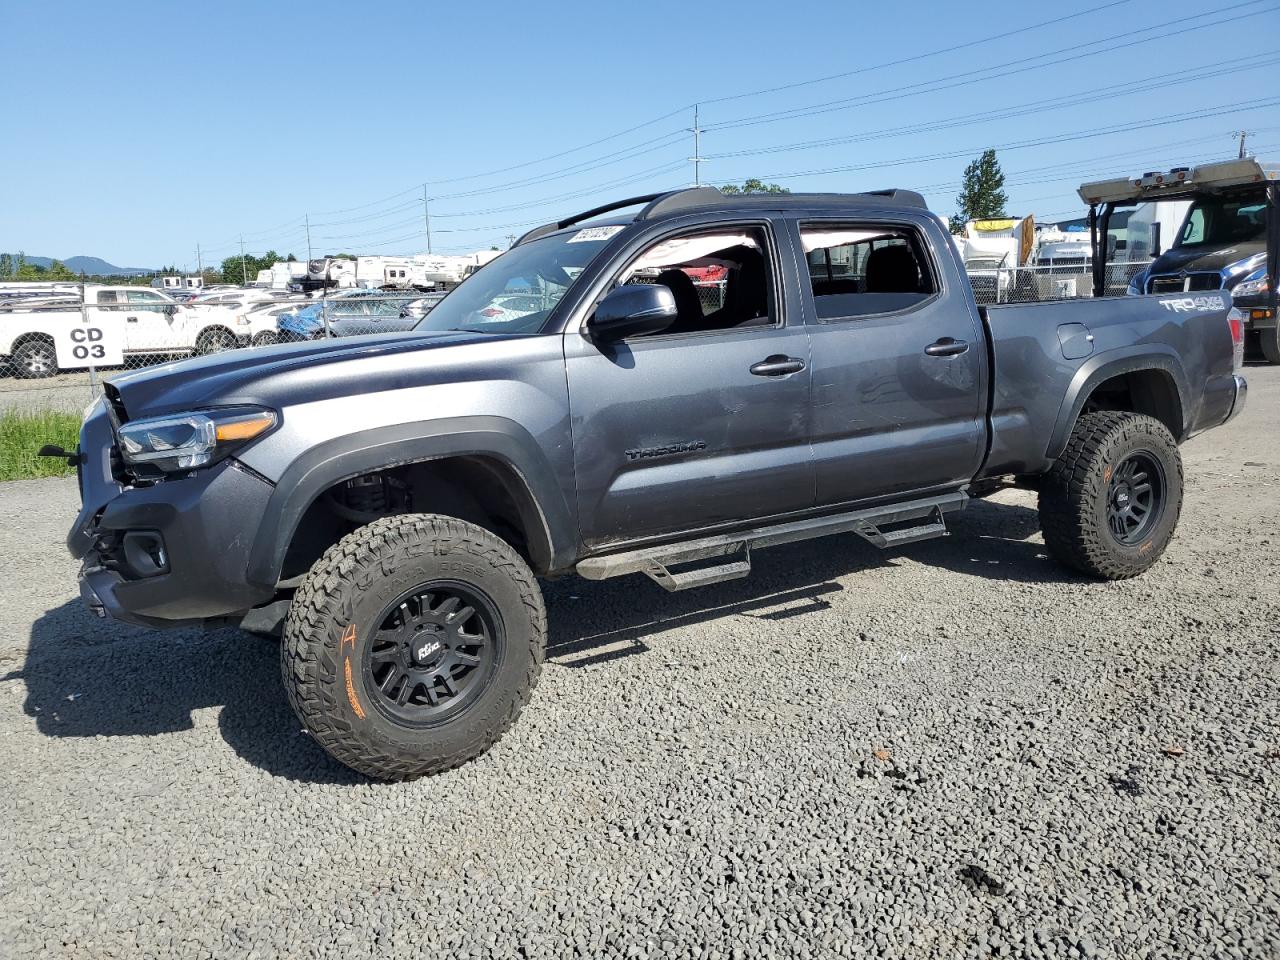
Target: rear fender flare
1113,363
548,524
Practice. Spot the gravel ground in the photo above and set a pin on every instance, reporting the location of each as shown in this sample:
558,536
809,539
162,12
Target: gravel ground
954,749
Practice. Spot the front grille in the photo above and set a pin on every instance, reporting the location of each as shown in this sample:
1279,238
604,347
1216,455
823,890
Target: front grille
1173,283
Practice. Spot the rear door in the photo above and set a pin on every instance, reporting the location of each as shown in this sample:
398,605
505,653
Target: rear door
899,361
708,423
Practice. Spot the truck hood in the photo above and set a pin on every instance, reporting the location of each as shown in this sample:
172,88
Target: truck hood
1196,259
279,375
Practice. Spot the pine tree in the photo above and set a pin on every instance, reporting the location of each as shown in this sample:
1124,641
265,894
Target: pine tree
982,196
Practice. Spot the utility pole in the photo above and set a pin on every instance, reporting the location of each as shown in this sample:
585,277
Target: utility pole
244,271
697,143
511,240
199,261
308,219
426,215
1241,134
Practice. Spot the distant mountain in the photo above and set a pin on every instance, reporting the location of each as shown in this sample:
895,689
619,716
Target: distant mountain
91,265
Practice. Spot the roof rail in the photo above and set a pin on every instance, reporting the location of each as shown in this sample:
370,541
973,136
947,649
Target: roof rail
666,203
546,228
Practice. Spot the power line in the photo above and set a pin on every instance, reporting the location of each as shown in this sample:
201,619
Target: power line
1200,114
918,57
647,123
1075,98
1090,48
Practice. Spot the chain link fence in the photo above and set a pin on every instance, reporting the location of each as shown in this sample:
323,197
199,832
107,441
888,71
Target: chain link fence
1065,279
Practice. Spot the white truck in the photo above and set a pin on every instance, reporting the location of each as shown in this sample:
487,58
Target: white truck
128,322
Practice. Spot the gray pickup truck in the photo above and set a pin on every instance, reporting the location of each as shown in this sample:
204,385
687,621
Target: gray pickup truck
654,392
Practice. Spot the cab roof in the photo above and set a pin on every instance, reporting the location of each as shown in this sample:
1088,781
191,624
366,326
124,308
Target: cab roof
658,206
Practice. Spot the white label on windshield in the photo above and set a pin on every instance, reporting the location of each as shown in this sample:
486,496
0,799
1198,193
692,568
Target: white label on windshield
594,234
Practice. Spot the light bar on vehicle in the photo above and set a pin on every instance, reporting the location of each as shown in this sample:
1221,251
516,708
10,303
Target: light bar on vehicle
1180,181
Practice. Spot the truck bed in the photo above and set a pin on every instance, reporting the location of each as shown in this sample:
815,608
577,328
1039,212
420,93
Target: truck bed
1047,358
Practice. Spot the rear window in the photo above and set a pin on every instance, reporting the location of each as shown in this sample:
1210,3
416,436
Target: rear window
859,270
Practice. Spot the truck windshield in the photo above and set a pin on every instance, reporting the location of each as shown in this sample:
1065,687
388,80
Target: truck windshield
515,293
1219,220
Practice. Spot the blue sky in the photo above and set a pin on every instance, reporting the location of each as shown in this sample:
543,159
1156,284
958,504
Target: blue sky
138,130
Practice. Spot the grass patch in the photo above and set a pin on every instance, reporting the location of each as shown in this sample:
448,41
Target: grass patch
22,433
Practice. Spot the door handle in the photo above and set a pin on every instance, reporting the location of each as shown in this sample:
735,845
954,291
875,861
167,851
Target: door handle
131,319
777,366
946,347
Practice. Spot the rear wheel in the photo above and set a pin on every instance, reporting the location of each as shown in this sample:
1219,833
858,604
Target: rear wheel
412,645
1111,502
1269,344
216,340
34,359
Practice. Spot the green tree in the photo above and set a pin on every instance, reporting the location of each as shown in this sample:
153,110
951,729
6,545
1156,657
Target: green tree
752,186
237,270
57,270
982,195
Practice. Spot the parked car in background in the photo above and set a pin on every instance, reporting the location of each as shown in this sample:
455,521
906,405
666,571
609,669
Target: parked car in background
151,324
347,314
419,308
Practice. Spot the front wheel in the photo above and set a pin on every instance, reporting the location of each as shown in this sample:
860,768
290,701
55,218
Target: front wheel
412,645
1111,502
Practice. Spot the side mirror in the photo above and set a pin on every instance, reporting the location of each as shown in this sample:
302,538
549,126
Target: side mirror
633,310
171,309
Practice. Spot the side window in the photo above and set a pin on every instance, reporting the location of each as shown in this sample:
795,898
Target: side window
106,296
1193,232
145,297
721,279
856,271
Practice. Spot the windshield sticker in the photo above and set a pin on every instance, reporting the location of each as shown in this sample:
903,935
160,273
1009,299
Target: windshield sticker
594,234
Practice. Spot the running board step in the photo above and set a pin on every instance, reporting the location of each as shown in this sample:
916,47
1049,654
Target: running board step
700,577
884,539
656,561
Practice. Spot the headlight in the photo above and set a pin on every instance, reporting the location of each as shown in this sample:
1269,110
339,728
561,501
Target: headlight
186,441
1250,288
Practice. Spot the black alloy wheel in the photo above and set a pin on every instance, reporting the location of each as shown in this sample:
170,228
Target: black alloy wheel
436,648
1135,497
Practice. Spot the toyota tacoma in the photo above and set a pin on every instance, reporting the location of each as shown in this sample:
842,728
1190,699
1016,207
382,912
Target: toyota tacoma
693,377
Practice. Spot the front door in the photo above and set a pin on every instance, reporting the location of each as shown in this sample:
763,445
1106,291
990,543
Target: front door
149,324
706,423
899,371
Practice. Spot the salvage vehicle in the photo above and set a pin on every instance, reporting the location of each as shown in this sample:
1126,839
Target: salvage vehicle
393,500
1229,239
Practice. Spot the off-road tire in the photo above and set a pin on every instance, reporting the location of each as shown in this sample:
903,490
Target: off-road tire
1074,495
333,618
34,360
